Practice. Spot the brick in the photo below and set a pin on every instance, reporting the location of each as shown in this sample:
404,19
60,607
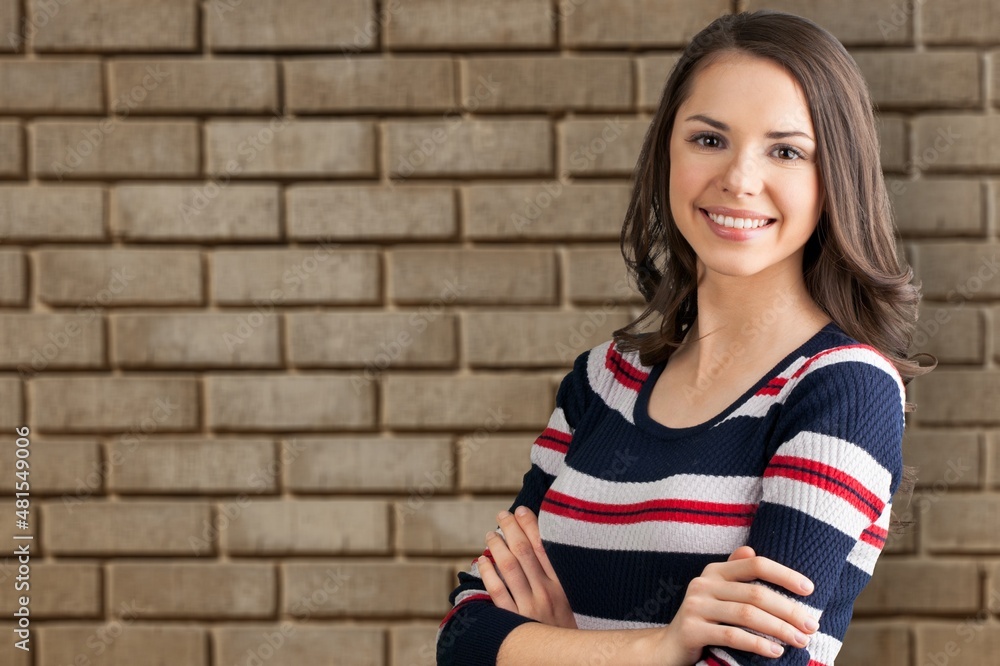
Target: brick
201,213
115,148
414,645
959,397
369,464
36,342
903,540
503,339
995,68
58,590
57,466
52,212
107,644
960,468
880,643
993,455
369,83
484,401
13,277
966,141
106,404
194,589
992,596
959,22
601,147
114,25
551,210
551,82
284,147
196,340
292,25
904,586
125,528
958,271
448,526
965,524
193,466
653,72
475,24
91,278
371,213
937,207
877,22
366,589
11,148
892,142
193,85
9,653
309,527
318,275
970,641
597,274
473,276
495,463
51,86
372,340
11,24
899,78
11,404
952,334
459,147
299,402
603,23
298,644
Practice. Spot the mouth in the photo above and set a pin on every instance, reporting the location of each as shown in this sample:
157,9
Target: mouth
737,223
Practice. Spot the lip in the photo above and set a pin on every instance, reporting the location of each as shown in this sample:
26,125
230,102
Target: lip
731,233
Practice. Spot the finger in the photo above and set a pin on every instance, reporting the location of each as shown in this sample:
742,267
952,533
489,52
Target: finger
524,552
762,568
751,616
790,613
740,639
496,588
508,567
529,524
741,553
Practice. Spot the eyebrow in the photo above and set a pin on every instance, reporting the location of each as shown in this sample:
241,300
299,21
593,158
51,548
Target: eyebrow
773,134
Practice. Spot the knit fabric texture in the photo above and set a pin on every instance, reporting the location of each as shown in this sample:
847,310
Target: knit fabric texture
802,468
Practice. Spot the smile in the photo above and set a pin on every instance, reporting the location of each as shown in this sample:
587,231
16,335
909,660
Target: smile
738,222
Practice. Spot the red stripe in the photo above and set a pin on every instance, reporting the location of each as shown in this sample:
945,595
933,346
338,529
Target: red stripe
624,372
773,387
823,353
868,538
676,510
472,597
813,662
812,475
545,440
712,661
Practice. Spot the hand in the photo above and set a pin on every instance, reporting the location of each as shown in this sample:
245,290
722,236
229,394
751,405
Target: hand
526,572
717,597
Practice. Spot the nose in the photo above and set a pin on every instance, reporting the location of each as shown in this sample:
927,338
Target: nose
742,175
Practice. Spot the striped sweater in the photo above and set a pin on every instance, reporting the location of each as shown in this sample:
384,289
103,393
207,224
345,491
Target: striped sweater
802,468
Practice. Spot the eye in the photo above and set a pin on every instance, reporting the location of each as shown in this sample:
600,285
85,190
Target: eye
698,138
795,153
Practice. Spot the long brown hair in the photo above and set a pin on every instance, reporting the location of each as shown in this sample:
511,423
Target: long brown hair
851,265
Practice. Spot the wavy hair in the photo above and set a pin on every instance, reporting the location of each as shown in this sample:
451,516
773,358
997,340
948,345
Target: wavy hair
851,265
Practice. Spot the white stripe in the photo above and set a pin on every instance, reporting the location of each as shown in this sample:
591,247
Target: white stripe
758,405
844,456
591,622
615,395
821,505
864,355
696,487
551,461
651,535
824,648
864,555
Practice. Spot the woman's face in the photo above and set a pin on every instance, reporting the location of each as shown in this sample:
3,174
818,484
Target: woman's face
743,147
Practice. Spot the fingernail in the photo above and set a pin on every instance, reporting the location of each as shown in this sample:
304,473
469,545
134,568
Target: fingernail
490,534
521,511
502,515
807,585
811,624
776,649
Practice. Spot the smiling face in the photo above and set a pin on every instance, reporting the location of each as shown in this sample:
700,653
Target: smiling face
743,147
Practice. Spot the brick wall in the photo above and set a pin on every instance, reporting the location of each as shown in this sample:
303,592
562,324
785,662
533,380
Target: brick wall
287,288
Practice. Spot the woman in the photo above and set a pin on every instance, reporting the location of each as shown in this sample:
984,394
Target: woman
692,479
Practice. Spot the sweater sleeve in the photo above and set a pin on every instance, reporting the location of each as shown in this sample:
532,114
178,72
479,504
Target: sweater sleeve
835,463
473,630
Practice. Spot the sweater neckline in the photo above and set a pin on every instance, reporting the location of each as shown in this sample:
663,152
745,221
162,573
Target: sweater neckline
641,415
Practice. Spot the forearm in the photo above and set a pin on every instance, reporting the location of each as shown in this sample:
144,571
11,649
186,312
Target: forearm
545,645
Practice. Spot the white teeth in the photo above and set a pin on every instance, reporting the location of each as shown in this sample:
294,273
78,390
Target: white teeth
737,222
